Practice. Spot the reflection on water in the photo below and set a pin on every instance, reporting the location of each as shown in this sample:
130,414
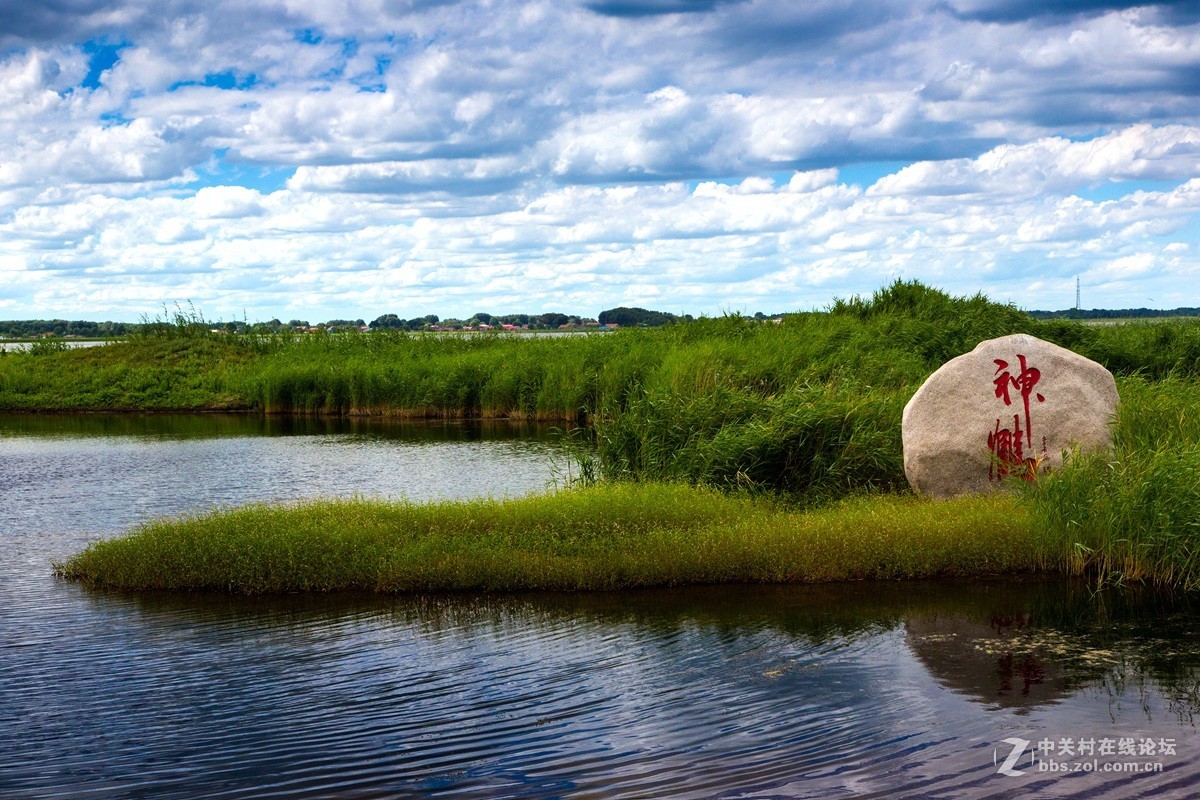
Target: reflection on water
878,690
66,480
718,691
1041,645
212,426
976,658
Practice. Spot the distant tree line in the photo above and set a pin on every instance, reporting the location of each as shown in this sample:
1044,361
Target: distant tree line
622,316
30,328
548,321
1116,313
391,322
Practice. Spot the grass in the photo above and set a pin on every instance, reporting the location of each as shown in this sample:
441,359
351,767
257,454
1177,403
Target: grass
1129,515
808,408
805,412
146,374
1134,513
605,537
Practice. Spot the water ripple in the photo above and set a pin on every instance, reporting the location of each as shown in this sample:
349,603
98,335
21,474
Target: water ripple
891,691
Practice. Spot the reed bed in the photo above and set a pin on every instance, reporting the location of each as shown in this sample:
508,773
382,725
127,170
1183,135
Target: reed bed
1132,514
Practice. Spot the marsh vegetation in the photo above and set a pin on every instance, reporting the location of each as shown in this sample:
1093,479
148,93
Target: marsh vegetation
619,535
781,419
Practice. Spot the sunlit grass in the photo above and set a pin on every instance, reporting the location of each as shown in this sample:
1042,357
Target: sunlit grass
149,374
807,410
605,537
1134,513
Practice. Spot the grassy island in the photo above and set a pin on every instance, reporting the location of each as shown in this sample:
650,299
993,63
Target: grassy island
736,450
603,537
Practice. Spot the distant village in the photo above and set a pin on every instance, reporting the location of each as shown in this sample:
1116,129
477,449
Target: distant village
609,320
478,322
612,319
448,325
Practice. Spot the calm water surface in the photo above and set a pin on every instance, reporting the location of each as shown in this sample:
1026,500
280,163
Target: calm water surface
13,347
866,690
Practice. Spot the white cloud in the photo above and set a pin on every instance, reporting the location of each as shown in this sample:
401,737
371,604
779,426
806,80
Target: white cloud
227,202
757,244
453,176
446,157
1057,165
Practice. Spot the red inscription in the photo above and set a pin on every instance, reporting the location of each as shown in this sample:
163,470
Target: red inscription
1024,382
1008,444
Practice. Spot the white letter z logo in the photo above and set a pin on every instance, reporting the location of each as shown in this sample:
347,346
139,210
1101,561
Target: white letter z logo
1018,747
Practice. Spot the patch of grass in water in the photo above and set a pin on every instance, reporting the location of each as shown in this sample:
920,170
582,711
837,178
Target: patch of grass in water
605,537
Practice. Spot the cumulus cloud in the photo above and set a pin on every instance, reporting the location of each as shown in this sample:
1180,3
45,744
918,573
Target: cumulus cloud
1056,165
757,243
551,155
439,176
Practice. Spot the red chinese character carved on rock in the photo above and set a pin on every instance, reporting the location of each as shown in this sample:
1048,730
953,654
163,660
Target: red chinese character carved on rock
1024,382
1008,445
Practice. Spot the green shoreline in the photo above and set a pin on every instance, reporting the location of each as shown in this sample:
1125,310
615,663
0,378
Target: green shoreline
396,415
804,413
1130,515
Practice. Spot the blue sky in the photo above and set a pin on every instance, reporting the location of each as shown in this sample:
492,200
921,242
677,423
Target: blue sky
309,160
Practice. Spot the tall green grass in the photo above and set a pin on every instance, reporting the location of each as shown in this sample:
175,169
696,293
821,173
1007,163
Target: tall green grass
1134,513
808,408
605,537
152,373
803,412
432,375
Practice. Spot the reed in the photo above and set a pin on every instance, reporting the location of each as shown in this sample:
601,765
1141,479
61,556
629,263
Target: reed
1134,513
808,408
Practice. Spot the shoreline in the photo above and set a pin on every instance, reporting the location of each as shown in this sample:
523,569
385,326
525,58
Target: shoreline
807,411
432,415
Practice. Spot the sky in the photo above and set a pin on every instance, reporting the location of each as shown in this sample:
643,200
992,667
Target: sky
314,160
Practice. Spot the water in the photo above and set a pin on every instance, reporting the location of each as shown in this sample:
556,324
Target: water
14,347
883,690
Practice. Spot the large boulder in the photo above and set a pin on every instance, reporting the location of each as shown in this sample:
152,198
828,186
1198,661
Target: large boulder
1008,409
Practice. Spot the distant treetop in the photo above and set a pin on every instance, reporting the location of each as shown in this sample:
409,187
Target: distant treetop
1116,313
633,317
900,298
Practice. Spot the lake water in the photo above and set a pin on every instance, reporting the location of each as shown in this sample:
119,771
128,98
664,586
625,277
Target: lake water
863,690
69,343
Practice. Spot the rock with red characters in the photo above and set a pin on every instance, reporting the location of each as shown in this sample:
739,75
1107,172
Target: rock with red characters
1008,410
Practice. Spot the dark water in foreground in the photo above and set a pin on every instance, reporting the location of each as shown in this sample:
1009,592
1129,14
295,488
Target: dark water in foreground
840,691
